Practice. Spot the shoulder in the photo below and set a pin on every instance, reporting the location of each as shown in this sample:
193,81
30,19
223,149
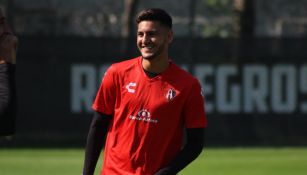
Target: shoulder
183,75
124,65
127,62
182,80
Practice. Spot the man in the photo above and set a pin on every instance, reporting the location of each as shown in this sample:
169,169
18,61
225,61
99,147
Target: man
8,45
144,104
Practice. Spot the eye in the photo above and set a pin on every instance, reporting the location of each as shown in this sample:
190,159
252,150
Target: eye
140,34
151,33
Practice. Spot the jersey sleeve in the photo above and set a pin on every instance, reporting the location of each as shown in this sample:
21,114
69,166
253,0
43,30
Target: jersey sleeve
194,109
106,95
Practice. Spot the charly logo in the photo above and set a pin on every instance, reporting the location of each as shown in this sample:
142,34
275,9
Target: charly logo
131,87
143,115
171,93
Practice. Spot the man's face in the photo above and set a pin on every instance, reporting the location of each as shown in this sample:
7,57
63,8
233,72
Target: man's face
153,39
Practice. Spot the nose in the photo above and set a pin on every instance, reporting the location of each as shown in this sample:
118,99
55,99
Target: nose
146,39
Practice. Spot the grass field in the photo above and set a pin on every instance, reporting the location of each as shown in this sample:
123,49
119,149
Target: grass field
230,161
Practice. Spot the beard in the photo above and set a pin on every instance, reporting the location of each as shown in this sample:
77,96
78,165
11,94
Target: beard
154,54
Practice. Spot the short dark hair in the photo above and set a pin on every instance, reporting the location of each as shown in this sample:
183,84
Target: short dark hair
155,14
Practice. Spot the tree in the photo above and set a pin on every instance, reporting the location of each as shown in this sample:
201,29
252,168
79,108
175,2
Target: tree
245,23
130,8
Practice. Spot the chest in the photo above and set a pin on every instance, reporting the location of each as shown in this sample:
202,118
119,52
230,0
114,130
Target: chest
145,99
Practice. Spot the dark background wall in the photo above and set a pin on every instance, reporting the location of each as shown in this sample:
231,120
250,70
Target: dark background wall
249,56
57,79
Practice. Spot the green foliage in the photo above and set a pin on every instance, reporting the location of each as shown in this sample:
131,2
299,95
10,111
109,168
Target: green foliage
219,18
218,6
213,30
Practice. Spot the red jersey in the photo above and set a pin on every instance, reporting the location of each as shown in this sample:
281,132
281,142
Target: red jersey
146,132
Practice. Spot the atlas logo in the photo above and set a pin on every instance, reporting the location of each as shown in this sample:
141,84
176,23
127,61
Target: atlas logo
170,94
131,87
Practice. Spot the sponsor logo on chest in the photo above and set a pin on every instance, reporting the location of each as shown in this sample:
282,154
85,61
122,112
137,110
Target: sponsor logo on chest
143,115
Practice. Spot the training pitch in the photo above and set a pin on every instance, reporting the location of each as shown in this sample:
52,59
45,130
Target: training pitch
220,161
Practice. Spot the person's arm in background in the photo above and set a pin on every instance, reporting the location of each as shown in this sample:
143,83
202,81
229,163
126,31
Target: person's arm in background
95,140
7,99
191,150
8,44
8,47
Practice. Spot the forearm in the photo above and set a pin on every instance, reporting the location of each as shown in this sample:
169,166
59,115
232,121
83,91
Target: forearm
95,140
7,88
190,152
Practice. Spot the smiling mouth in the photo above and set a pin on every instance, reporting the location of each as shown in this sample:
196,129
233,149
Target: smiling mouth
147,50
147,47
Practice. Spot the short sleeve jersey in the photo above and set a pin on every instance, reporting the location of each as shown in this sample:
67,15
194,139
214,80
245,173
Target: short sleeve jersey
149,115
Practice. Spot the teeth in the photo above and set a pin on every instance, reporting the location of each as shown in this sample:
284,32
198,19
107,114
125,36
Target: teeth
148,47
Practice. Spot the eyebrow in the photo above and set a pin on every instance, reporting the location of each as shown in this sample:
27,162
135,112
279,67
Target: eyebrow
151,30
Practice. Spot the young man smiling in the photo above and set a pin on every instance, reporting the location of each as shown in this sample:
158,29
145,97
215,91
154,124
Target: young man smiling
144,104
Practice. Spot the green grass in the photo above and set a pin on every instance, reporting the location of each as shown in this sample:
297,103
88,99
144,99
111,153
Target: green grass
284,161
232,161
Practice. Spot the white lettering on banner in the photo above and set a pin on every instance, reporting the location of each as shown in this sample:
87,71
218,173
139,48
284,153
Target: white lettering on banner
83,83
250,88
255,90
228,94
84,86
283,88
303,87
102,71
202,73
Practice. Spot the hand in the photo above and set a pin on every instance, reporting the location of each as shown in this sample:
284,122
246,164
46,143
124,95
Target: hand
164,171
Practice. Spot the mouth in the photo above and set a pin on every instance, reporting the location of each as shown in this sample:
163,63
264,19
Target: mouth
147,48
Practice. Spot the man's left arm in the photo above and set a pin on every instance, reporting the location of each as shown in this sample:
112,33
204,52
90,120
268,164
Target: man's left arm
191,150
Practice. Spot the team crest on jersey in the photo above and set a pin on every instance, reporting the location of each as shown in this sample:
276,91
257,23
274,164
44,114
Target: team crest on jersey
171,94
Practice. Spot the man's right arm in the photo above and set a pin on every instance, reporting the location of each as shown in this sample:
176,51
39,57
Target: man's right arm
95,140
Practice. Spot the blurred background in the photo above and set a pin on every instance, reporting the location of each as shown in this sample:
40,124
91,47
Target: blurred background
249,55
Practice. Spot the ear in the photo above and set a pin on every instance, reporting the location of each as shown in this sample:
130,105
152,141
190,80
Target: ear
170,36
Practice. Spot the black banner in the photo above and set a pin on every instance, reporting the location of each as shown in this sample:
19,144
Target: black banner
256,90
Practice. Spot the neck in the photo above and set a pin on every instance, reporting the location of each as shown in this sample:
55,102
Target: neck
156,65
